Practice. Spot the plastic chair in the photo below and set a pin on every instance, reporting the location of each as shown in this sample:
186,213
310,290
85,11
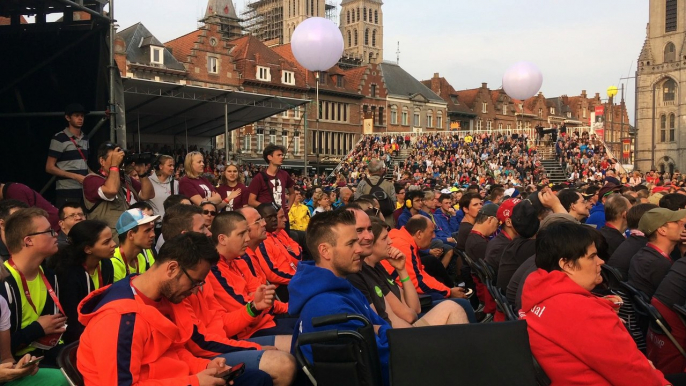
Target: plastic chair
340,357
656,319
66,360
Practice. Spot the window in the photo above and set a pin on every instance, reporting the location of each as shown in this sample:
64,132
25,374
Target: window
296,112
569,114
296,143
212,67
374,38
500,126
540,112
394,115
430,119
519,125
670,15
381,116
348,18
668,91
364,13
670,52
405,117
484,107
287,77
156,55
552,111
284,114
439,121
478,124
263,73
509,126
373,91
358,14
376,17
246,142
663,128
339,81
366,37
350,39
333,111
672,118
260,140
504,108
583,113
371,57
272,136
416,120
355,33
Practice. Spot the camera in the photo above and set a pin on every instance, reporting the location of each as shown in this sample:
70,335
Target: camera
138,158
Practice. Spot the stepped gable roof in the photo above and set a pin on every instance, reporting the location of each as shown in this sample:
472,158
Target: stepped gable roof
647,53
182,46
400,83
137,38
447,92
249,52
353,77
468,96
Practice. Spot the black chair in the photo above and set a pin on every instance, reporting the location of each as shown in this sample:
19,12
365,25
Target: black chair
658,324
612,278
340,358
501,302
457,354
66,360
640,318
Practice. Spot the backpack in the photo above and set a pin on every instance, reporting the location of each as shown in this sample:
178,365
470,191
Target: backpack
385,204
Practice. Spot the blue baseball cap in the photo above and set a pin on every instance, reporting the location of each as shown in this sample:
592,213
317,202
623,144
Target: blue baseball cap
131,219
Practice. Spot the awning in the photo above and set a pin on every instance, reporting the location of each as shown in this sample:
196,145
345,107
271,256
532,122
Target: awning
174,109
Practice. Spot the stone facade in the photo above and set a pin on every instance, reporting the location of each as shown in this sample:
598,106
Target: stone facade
361,24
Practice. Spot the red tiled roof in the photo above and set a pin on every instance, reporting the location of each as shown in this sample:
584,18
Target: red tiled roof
353,77
181,47
467,96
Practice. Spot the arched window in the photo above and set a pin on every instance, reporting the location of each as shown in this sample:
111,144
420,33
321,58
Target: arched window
672,119
374,38
348,17
670,53
663,128
364,13
668,90
358,14
355,33
376,17
366,37
350,39
370,15
371,57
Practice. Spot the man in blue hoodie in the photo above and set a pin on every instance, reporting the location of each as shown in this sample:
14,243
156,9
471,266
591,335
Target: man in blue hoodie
597,216
319,287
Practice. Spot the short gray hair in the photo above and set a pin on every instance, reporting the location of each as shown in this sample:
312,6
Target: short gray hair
376,165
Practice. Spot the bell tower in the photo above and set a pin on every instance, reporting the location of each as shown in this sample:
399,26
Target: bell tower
361,24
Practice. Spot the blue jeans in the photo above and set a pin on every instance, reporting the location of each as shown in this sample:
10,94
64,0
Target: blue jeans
251,358
464,303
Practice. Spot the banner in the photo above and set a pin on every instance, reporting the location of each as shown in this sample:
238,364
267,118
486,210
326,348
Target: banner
599,122
369,126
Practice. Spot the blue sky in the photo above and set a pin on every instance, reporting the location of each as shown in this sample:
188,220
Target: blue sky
578,45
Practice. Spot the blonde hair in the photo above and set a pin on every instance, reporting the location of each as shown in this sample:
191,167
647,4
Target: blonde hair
188,164
161,161
222,178
318,196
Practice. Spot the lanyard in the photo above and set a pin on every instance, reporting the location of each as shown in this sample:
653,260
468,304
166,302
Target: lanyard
477,233
27,293
126,262
100,283
651,245
78,148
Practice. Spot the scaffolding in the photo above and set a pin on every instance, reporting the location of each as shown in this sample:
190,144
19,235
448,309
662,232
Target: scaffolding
264,20
331,11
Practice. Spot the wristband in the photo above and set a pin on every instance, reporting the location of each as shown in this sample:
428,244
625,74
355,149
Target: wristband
405,279
113,168
226,200
249,309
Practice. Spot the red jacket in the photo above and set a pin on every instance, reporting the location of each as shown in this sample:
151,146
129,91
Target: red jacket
577,337
294,249
278,266
234,286
127,342
422,281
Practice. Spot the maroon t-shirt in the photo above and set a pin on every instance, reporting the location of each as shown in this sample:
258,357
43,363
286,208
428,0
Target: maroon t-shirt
21,192
276,190
190,187
93,182
237,202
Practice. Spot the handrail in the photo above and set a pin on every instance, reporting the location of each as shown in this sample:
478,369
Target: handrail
347,156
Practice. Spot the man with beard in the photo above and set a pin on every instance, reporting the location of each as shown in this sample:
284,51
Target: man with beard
130,334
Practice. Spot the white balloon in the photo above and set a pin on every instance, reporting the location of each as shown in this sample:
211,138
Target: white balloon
522,80
317,44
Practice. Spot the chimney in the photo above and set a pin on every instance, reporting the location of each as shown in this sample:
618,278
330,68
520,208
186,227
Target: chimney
583,93
484,85
436,75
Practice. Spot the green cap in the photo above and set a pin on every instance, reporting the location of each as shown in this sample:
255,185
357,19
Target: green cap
655,218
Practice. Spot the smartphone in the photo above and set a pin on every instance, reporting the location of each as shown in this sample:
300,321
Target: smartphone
33,362
235,372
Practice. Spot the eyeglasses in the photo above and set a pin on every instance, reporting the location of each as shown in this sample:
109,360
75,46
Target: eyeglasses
372,212
52,232
195,283
210,212
258,221
74,216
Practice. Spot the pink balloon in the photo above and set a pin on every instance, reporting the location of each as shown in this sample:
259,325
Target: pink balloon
522,80
317,44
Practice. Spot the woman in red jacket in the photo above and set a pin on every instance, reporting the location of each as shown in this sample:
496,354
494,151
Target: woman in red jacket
576,336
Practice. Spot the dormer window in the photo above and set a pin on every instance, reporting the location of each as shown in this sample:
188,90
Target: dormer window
287,77
263,74
156,55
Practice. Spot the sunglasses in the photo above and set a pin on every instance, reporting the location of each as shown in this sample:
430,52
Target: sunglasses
210,212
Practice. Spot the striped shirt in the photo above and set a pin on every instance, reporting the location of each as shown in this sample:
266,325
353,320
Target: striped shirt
69,159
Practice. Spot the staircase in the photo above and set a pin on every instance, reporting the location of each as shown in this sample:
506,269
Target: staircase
552,168
402,156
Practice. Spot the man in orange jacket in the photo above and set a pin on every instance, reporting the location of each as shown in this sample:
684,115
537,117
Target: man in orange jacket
272,254
131,337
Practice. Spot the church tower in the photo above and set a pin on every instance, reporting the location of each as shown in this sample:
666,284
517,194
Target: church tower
296,11
223,13
660,75
361,24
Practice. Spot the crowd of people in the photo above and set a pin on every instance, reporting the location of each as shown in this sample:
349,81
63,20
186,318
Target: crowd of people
177,279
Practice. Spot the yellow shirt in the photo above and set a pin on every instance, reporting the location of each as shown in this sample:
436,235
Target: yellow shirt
299,217
39,295
145,259
95,278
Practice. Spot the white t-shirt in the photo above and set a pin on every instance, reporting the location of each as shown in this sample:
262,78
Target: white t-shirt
4,315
